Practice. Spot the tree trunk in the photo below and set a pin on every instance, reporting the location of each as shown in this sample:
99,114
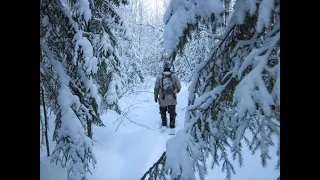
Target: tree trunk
45,122
42,130
89,127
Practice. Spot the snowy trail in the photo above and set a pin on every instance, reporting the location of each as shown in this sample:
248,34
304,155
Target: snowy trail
130,151
134,149
140,153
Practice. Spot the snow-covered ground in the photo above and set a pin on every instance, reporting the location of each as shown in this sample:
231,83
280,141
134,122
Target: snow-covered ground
128,152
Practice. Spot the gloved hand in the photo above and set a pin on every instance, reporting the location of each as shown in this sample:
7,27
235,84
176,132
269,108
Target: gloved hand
178,90
155,98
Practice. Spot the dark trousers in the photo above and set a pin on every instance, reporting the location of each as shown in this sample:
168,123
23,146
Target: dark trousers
172,111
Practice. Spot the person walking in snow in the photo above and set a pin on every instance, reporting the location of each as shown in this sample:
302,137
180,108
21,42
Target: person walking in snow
165,92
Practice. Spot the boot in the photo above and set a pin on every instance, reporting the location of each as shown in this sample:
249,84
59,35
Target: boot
164,121
172,122
173,114
163,111
172,125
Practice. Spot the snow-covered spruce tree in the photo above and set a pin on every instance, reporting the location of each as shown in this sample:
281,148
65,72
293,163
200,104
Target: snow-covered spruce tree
69,65
107,31
150,43
199,44
140,46
198,48
129,51
145,36
234,92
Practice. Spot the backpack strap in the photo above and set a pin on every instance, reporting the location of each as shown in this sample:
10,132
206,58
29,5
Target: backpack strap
163,95
173,84
174,87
